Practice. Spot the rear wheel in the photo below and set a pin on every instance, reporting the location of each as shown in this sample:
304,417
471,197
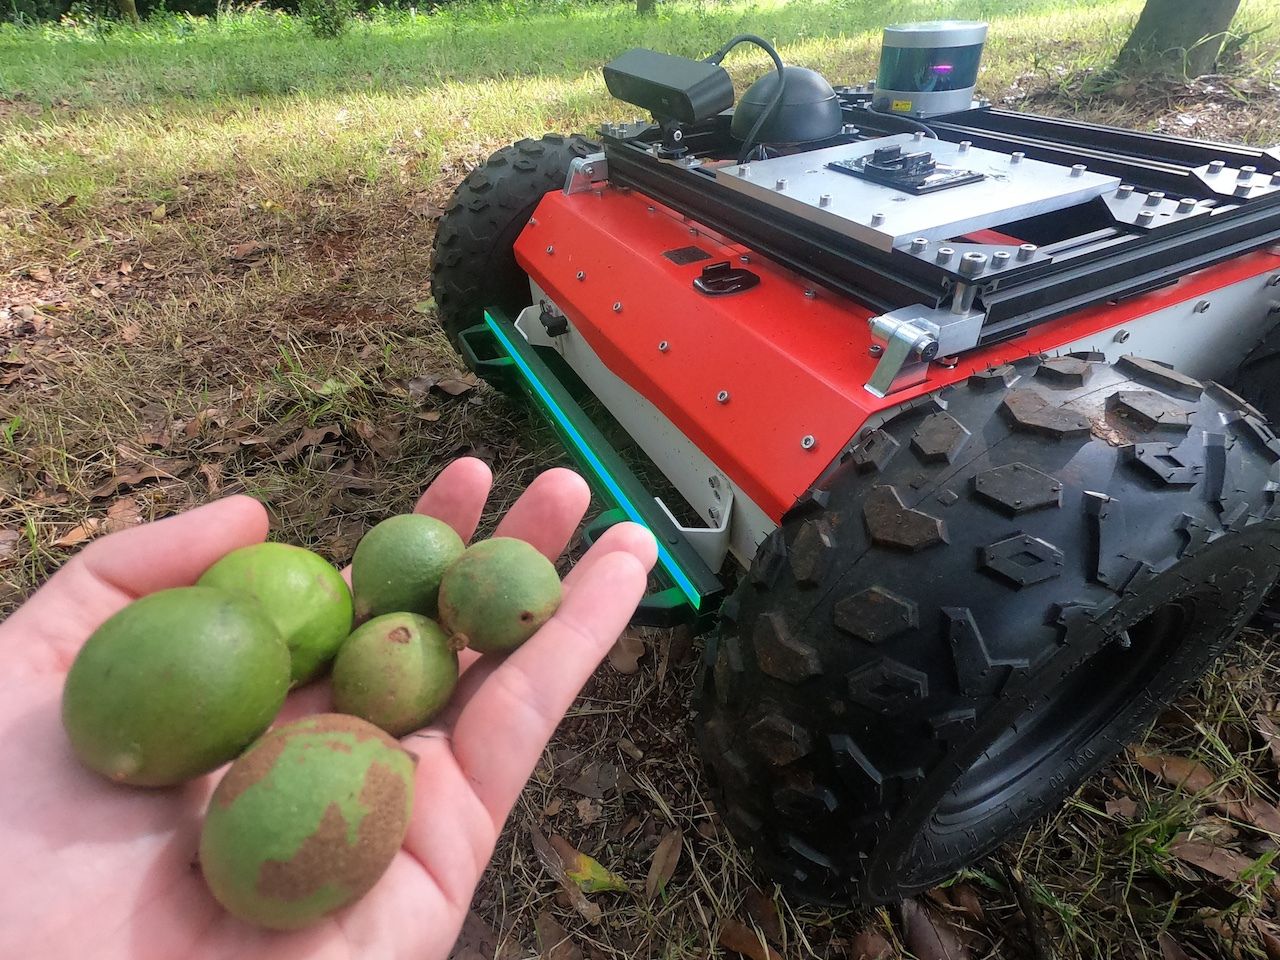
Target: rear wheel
473,265
984,602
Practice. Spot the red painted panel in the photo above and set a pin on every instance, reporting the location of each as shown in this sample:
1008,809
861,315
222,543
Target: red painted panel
792,365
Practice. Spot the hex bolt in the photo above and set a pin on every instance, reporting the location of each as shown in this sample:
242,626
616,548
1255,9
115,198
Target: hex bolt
807,442
944,254
1027,251
1154,198
1246,174
651,208
580,275
1016,156
1201,306
533,221
781,184
1122,336
1124,191
744,170
589,170
965,145
875,350
550,248
919,245
744,258
877,219
663,346
1145,217
1000,258
722,396
824,200
617,306
810,293
1216,167
1077,170
1186,205
972,264
1273,280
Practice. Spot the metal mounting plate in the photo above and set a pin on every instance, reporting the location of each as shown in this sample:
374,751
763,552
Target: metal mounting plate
1011,191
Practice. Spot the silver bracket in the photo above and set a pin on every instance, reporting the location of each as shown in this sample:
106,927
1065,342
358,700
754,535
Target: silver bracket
585,173
1236,183
912,336
710,543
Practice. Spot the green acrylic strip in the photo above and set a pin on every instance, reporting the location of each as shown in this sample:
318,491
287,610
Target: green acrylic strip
589,456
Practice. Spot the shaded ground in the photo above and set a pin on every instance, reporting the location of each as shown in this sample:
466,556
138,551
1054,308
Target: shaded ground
214,280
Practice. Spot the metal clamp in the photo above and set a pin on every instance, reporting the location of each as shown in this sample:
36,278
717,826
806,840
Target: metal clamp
585,173
916,334
906,341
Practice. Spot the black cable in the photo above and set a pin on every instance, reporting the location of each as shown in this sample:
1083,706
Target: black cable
907,121
768,111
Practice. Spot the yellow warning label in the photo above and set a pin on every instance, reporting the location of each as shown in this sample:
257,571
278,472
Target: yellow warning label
900,106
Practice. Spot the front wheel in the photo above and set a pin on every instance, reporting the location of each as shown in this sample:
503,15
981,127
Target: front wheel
983,603
473,265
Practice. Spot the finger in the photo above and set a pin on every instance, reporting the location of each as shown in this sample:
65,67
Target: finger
626,537
458,495
548,512
475,669
506,723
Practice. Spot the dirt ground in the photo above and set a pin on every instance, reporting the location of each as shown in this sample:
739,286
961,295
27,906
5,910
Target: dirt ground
162,354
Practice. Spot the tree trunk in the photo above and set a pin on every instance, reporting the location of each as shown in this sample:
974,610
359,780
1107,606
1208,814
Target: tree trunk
645,7
129,10
1181,37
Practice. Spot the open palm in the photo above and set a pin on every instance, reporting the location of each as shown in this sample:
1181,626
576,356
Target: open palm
93,869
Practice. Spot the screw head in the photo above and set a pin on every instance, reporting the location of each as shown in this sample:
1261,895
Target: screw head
663,346
918,136
1016,156
1145,217
533,221
744,258
744,170
1124,191
965,145
1026,251
780,184
944,254
1201,306
580,275
877,219
1186,205
919,245
722,396
1154,198
810,293
824,200
617,306
1246,174
589,169
807,442
971,264
1122,336
550,248
1077,170
1000,258
875,350
1217,166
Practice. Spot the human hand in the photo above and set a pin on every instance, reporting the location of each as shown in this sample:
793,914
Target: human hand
94,869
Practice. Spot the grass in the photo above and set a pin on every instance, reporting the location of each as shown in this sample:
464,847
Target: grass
214,250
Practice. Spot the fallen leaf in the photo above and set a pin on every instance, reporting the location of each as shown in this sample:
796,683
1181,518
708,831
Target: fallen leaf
428,416
1195,778
737,936
625,654
68,202
121,514
423,306
1262,723
1270,942
965,899
586,871
133,478
763,912
1125,807
125,268
554,942
596,780
630,749
929,936
554,865
212,473
479,941
1227,864
457,386
869,945
158,212
79,533
249,249
40,274
589,810
1169,948
663,866
310,437
9,540
552,808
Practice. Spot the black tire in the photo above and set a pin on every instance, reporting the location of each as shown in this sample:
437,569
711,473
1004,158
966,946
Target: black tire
1258,378
955,579
473,265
